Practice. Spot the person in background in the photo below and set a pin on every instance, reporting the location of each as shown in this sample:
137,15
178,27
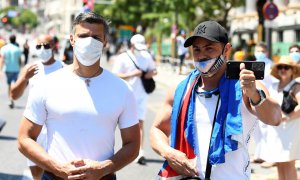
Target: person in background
204,126
29,75
294,51
239,54
26,51
81,106
10,59
125,68
262,54
68,54
2,42
260,131
56,42
282,142
182,51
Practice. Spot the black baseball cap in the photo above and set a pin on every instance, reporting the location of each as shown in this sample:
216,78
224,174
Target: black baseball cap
210,30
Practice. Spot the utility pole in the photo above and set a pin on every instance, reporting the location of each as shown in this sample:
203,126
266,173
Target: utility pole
261,20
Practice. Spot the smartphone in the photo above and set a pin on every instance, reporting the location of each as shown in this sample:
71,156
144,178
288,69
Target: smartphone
233,69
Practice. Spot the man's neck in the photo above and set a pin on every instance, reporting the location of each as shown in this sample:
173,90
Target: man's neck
209,83
51,61
86,71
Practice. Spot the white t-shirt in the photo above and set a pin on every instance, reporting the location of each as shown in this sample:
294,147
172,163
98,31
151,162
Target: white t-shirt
42,71
123,64
236,166
180,46
81,120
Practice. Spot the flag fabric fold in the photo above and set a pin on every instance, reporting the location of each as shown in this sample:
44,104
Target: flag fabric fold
183,131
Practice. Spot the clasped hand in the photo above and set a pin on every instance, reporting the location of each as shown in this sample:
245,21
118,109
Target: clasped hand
83,169
181,164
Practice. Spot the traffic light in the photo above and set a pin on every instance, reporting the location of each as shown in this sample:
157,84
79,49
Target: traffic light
4,20
259,7
88,5
84,2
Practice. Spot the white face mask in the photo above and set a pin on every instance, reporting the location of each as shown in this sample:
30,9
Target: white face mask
88,50
136,52
295,56
44,54
260,56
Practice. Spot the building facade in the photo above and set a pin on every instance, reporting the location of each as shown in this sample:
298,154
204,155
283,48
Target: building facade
284,29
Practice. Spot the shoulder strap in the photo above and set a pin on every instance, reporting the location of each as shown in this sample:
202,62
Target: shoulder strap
208,165
290,85
133,61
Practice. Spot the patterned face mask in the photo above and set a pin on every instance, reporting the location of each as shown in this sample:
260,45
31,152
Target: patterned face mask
210,67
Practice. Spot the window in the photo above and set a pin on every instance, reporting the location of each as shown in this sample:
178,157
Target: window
297,32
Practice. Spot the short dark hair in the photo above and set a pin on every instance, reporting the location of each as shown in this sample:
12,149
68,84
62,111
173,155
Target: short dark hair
12,39
262,45
91,17
294,46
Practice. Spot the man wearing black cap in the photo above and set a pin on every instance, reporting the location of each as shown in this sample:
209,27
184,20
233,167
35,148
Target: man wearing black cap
205,125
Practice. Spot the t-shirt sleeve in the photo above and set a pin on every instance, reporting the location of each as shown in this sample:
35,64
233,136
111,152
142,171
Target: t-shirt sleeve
35,109
151,63
118,65
129,115
20,53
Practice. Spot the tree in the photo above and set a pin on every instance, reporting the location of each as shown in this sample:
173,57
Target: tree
219,9
23,18
158,16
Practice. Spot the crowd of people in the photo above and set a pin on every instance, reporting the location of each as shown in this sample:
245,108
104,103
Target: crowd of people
67,130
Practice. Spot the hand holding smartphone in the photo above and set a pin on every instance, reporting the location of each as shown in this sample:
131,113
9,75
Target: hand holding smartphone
233,69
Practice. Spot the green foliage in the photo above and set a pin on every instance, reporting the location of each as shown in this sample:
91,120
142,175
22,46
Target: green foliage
28,17
25,17
161,14
158,16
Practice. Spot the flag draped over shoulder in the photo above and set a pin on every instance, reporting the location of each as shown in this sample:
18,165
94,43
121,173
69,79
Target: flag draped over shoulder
183,131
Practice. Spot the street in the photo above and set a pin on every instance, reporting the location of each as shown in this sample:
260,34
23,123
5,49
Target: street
13,164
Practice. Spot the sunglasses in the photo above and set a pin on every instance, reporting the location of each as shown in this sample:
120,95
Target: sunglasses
283,67
46,46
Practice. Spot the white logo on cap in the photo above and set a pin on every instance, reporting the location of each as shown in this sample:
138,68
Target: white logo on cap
201,29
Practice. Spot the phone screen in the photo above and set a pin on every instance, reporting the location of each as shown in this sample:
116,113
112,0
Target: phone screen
233,69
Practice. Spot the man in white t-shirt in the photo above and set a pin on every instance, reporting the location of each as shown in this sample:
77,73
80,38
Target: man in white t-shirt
204,127
182,51
125,67
81,105
29,75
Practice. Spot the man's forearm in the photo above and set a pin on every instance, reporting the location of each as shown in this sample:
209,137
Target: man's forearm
269,112
124,156
159,142
126,76
18,88
37,154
